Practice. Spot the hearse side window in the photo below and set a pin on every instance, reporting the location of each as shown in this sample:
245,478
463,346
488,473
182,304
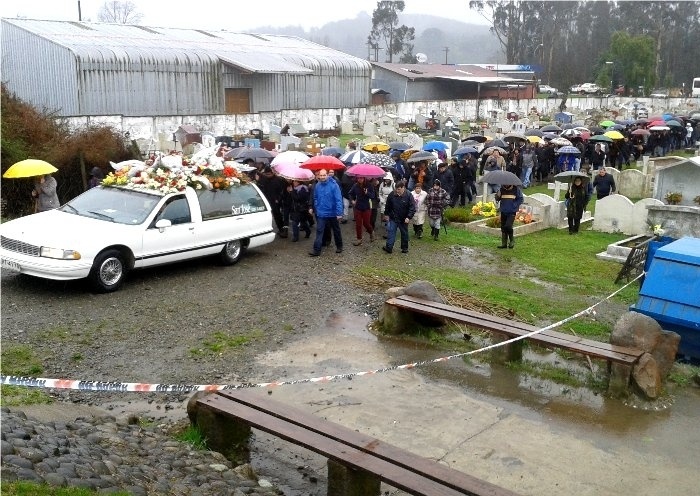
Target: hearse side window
176,210
237,200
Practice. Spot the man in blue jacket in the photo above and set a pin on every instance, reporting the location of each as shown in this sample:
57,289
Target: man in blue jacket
328,207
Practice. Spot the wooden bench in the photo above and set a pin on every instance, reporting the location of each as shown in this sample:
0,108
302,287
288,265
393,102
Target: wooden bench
357,463
620,359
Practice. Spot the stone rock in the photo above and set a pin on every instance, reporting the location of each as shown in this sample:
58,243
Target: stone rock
665,352
646,376
636,330
395,291
192,407
425,291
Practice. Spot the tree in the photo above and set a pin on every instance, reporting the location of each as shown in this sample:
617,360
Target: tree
386,30
633,61
120,12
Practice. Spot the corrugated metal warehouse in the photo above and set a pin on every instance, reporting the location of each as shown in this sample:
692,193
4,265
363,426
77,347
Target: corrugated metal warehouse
87,68
420,82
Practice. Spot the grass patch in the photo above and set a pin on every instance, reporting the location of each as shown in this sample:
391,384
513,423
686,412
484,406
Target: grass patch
21,361
683,374
33,489
560,276
193,436
558,375
221,342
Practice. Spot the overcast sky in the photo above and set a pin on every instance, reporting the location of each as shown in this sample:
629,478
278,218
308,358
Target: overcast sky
234,15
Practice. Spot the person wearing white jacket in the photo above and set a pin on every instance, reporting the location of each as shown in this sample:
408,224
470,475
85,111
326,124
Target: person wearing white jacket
418,220
384,189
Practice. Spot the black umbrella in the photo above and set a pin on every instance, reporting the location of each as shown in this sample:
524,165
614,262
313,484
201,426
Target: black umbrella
476,137
504,178
596,130
533,132
399,145
254,154
420,156
496,142
470,143
550,128
569,176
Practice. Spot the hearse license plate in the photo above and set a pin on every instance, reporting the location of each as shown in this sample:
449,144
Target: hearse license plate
10,265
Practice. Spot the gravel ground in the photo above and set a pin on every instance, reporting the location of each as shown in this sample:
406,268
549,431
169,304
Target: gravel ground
193,323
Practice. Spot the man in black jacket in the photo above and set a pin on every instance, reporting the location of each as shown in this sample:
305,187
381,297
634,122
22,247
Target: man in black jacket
398,213
603,183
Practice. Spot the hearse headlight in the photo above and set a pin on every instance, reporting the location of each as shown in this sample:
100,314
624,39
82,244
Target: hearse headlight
48,252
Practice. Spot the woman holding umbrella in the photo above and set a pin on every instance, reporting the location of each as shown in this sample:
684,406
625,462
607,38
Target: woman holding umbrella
577,198
361,195
45,193
511,198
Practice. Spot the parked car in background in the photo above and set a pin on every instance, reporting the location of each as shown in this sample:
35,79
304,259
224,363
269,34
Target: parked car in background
575,88
107,231
659,93
589,88
549,90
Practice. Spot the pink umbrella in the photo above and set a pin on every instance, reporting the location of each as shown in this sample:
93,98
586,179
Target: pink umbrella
319,162
293,172
365,170
289,157
641,132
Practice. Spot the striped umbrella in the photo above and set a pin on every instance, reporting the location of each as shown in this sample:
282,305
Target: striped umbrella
353,156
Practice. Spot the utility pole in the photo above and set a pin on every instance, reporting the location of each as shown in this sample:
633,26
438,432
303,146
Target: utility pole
80,15
446,49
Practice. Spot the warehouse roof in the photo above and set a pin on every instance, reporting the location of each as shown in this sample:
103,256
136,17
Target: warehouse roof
255,53
462,72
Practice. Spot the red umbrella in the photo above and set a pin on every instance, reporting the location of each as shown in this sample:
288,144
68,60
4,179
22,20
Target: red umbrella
319,162
659,122
365,170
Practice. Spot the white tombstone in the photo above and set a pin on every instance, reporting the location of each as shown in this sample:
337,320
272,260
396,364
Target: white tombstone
369,129
346,127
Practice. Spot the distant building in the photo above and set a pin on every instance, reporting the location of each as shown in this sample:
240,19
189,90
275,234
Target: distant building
87,68
421,82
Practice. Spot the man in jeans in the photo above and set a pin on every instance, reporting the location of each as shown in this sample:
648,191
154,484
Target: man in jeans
398,213
328,207
529,163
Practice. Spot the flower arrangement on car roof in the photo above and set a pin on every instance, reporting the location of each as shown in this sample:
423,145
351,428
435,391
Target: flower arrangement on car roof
164,179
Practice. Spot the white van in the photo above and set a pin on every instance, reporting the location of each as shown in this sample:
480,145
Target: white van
695,90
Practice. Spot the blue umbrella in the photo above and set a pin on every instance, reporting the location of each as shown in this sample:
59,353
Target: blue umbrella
568,150
435,145
465,149
333,150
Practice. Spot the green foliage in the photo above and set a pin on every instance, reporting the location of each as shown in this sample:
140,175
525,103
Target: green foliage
33,489
31,133
633,62
20,360
459,214
220,342
193,436
683,374
386,30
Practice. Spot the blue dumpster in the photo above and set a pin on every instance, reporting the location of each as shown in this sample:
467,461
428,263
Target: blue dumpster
670,293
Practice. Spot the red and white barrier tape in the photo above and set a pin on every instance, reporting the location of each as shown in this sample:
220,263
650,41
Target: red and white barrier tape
188,388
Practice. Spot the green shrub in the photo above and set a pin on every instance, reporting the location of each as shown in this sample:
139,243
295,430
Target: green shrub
459,214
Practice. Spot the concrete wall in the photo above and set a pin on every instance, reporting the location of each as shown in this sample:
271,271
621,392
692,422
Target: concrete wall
159,130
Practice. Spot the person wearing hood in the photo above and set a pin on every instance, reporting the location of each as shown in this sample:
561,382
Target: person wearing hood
96,177
438,199
383,192
418,220
45,193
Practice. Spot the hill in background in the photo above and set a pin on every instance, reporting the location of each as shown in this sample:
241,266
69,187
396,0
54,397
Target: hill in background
467,43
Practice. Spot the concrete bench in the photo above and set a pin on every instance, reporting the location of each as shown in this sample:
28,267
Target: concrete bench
357,463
